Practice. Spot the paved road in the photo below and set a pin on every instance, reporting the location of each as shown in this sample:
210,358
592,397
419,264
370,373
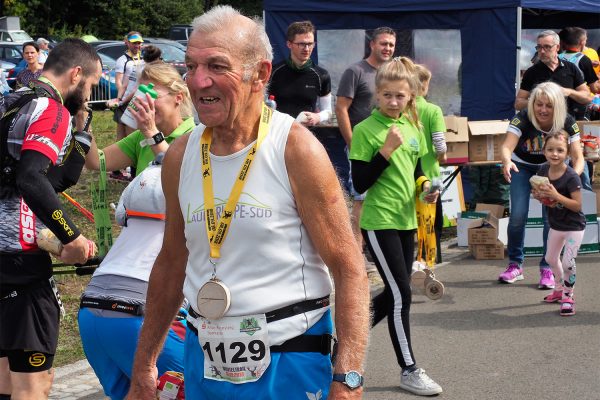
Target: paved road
482,340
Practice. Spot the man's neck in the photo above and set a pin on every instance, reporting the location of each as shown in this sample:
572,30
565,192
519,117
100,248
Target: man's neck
227,140
298,63
553,63
373,61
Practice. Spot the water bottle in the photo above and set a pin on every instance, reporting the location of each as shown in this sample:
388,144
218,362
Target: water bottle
270,102
593,107
436,184
127,117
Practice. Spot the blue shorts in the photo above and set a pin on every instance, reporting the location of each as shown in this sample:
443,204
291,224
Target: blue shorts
290,376
109,345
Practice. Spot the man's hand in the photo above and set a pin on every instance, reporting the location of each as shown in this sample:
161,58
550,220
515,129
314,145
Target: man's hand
308,118
143,385
77,251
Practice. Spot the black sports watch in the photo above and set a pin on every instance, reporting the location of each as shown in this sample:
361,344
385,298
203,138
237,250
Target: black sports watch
155,139
352,379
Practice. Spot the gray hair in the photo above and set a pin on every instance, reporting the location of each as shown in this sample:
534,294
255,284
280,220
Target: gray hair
554,35
257,46
553,92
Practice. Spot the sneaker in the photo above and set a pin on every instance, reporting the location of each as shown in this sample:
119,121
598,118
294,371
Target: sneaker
567,307
418,382
546,279
554,297
512,274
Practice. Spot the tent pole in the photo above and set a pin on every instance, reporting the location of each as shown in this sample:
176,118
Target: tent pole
518,72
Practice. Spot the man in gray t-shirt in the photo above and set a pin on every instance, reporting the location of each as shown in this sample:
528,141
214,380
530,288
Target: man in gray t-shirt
355,101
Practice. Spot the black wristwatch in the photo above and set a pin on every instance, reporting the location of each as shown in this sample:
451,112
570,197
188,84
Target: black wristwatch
352,379
154,140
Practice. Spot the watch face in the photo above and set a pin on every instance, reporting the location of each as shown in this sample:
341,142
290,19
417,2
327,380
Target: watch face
353,379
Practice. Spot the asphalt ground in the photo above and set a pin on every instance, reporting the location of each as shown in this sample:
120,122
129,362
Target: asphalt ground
481,340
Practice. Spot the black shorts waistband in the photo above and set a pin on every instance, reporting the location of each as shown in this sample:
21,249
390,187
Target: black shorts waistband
287,311
112,305
9,292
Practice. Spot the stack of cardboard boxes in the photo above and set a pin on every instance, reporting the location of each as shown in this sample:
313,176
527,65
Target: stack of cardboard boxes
473,141
484,231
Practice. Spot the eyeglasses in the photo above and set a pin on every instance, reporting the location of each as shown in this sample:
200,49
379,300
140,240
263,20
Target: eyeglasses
545,47
306,45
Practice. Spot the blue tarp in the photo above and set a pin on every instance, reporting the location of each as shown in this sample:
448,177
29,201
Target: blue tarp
488,36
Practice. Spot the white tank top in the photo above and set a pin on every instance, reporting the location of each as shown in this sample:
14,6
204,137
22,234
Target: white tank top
267,260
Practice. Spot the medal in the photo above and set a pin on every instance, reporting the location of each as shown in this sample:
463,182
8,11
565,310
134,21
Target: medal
213,299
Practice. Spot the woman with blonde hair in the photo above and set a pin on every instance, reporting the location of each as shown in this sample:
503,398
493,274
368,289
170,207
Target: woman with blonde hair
160,121
522,154
386,151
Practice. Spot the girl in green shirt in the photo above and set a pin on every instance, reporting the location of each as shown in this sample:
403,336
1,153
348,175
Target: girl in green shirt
385,152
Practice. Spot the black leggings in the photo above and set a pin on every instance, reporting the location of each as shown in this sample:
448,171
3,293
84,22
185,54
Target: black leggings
393,253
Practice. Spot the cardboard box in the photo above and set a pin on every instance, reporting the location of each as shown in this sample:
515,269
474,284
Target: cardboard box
492,227
488,251
457,138
589,128
475,219
457,152
457,129
485,140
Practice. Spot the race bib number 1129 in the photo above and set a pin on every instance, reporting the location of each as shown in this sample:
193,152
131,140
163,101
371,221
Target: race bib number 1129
236,349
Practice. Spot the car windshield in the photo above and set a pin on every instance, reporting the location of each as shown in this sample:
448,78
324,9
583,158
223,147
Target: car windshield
171,53
21,36
107,62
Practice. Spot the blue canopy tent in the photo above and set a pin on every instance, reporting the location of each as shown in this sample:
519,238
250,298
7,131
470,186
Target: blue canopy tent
490,35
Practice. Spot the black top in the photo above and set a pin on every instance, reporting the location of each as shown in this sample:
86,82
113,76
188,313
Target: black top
566,75
298,89
529,147
561,218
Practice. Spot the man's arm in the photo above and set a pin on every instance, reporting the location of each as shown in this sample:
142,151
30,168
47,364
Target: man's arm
521,100
323,211
342,105
166,281
581,94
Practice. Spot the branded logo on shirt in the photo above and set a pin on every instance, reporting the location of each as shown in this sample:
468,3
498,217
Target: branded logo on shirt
515,121
310,87
315,396
26,227
37,359
247,207
43,140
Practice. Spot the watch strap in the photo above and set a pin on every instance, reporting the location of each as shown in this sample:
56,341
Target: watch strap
155,139
342,378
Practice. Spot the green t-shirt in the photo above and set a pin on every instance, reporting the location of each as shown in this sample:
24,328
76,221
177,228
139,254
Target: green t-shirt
142,156
432,118
390,202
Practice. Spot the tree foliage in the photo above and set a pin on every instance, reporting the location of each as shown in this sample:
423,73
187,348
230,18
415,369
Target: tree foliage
112,19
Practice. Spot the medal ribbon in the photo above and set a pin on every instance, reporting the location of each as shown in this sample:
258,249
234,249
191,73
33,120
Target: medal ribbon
217,230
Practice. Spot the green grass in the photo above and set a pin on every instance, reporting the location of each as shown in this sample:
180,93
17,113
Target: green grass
70,285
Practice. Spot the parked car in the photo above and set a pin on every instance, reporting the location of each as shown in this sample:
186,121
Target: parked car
11,52
172,53
14,71
10,30
180,32
5,66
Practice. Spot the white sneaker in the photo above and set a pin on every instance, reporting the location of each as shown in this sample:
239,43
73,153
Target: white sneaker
418,382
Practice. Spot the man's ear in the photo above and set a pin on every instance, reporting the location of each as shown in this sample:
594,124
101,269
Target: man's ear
75,75
262,75
289,44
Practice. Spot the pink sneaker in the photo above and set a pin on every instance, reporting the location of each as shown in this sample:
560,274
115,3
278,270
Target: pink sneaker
513,273
546,279
567,307
554,297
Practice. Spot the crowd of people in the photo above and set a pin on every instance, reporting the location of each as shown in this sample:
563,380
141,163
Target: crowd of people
236,229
